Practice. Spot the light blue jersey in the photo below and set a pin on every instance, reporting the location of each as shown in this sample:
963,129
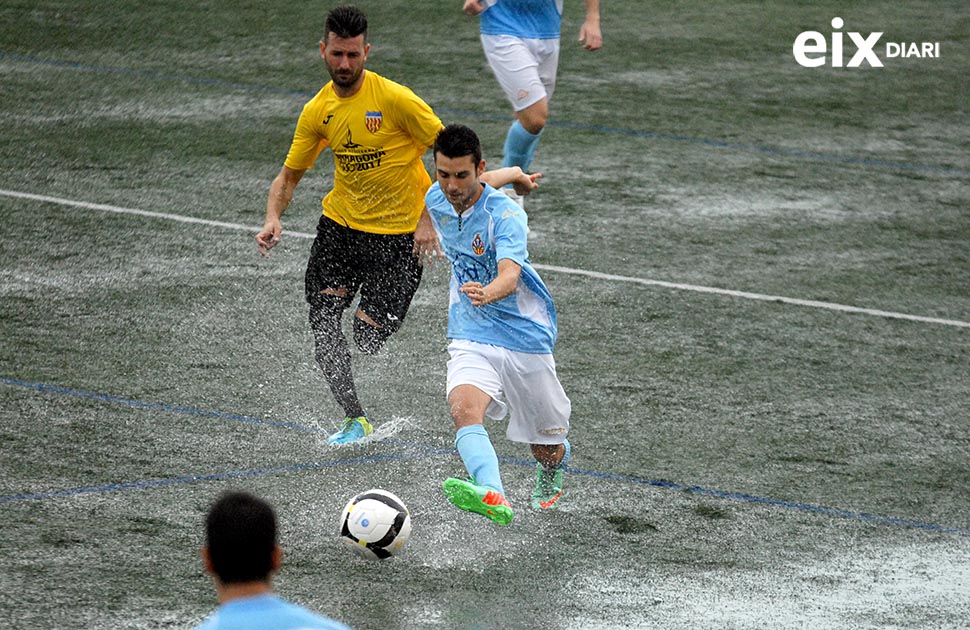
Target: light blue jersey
531,19
266,612
493,229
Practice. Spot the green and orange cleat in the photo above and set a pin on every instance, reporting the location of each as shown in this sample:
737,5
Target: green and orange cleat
478,499
548,488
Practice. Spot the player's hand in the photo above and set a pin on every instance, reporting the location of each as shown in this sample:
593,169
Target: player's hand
426,244
526,183
475,292
590,36
473,7
269,237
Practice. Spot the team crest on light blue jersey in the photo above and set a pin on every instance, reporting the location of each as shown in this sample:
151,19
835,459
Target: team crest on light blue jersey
478,245
373,121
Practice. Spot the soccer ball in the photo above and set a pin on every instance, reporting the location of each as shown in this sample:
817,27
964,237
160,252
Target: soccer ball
375,524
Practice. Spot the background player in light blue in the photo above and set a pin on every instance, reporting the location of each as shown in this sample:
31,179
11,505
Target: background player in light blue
502,326
521,43
242,554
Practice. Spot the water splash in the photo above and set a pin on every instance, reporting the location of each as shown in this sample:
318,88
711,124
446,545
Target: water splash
382,431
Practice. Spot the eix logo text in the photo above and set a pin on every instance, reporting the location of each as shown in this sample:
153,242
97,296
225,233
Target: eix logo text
811,49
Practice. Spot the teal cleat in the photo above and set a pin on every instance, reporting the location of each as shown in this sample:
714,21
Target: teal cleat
353,429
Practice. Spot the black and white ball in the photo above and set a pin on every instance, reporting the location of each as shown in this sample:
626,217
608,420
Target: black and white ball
375,524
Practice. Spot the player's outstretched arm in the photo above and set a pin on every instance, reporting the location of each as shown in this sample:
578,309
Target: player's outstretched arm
280,195
522,182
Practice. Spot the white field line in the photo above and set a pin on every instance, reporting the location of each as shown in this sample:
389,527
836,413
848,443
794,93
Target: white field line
554,268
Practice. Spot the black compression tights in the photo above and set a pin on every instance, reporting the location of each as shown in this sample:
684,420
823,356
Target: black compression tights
332,352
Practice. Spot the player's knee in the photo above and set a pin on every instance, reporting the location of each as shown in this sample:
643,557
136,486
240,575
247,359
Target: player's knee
534,118
370,338
463,410
534,126
460,413
325,314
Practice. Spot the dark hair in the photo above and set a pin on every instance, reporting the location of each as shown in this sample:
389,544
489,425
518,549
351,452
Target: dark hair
241,536
455,141
346,22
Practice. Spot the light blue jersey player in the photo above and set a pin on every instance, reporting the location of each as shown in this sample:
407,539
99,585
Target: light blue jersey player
493,229
521,43
242,554
502,326
266,612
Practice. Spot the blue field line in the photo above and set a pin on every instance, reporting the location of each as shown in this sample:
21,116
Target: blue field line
155,406
185,479
792,505
418,451
603,129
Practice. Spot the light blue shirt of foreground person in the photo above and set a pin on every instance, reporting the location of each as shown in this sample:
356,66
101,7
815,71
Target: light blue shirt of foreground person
492,229
266,612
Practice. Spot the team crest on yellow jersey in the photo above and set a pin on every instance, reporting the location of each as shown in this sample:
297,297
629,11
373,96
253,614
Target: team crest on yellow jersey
478,245
373,121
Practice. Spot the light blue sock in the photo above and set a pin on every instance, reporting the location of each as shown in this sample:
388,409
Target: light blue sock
477,452
520,146
565,456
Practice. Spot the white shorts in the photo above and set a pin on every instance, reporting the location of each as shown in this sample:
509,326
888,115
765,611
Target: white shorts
524,385
524,68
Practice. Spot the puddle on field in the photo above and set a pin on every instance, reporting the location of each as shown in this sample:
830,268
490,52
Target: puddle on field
914,586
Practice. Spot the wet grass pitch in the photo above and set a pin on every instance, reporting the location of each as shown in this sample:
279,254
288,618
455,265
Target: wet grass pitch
761,274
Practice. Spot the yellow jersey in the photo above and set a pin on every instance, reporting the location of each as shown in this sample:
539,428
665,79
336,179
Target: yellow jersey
378,137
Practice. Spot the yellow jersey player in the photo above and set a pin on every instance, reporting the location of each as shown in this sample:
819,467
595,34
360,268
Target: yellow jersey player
374,231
